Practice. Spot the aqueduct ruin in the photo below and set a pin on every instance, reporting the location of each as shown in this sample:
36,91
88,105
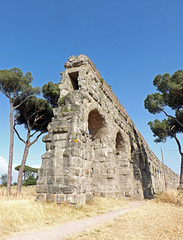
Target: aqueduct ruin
93,147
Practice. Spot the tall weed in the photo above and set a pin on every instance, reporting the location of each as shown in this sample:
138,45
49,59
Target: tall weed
171,196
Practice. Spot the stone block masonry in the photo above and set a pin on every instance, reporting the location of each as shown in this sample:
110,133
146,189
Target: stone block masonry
93,147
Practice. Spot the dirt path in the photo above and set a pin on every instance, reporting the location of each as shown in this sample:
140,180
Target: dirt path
67,229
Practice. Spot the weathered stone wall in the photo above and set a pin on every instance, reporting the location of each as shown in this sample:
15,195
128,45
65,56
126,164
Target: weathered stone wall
93,147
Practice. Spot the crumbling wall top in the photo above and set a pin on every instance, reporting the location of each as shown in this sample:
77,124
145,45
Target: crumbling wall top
81,60
77,61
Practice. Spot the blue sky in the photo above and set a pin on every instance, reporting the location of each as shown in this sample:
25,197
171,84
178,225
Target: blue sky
130,42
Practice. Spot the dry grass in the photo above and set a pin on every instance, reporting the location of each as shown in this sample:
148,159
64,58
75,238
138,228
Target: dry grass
27,193
172,196
153,221
21,214
159,219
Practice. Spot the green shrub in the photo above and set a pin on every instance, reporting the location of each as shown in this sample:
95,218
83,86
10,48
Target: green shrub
102,80
30,181
4,179
61,101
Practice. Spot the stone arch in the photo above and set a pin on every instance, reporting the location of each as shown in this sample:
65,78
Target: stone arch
96,124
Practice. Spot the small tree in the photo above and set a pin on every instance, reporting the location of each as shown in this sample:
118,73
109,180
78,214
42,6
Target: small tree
168,100
28,171
30,181
14,84
4,179
35,113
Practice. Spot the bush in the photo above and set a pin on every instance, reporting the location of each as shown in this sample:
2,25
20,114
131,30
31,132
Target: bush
30,181
171,196
4,179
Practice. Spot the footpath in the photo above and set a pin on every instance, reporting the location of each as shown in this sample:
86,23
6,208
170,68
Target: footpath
65,230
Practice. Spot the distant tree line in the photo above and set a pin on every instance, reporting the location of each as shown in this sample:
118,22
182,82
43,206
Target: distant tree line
29,176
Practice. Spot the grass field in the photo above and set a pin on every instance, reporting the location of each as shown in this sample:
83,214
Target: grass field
154,221
159,219
22,214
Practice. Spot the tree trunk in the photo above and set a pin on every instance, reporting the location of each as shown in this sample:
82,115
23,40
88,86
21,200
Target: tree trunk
28,144
10,150
21,170
180,187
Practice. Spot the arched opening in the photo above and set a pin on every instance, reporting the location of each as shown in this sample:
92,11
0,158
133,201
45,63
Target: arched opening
119,142
96,123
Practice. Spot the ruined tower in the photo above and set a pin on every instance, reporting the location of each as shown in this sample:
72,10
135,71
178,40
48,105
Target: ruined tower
92,145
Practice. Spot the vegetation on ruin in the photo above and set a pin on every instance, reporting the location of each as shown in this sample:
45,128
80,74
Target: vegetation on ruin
126,117
64,109
169,101
102,80
61,101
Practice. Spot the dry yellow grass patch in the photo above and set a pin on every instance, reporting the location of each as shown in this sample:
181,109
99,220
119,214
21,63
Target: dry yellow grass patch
172,196
27,193
153,221
21,214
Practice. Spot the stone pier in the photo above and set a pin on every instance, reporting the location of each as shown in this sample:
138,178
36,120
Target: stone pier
93,147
